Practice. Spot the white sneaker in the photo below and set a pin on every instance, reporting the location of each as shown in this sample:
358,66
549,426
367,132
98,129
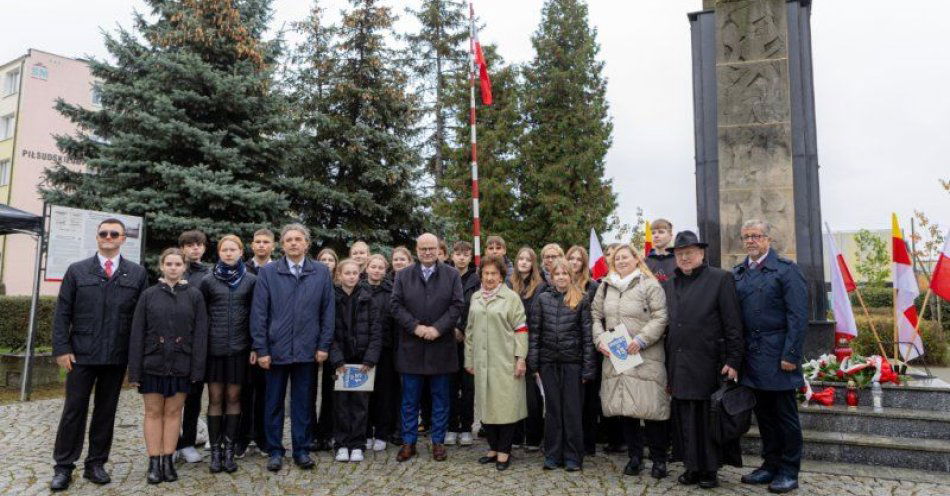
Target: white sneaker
369,443
379,445
190,454
343,455
356,455
201,434
465,439
451,438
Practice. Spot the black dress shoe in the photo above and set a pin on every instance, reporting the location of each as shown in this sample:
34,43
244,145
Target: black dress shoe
783,484
502,466
549,465
572,467
169,474
708,480
96,474
615,448
488,459
61,479
633,467
688,478
659,470
275,463
303,461
154,474
758,476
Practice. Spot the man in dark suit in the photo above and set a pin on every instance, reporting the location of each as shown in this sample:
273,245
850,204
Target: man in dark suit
774,299
91,330
426,305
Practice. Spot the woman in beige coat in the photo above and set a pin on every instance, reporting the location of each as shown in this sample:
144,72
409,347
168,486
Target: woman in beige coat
496,346
632,296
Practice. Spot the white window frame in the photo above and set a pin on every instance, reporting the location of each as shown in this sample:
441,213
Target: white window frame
11,82
5,166
7,126
44,76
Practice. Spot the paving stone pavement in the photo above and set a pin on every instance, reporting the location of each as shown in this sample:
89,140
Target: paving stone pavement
27,432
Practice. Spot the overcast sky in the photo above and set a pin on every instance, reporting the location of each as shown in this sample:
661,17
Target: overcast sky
882,85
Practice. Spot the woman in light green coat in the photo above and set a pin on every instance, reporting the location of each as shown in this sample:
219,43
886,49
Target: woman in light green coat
496,345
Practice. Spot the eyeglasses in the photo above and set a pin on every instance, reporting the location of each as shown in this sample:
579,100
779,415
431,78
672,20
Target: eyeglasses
551,257
110,234
752,237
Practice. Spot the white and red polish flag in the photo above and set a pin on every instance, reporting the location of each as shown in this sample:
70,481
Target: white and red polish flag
940,281
598,262
841,284
483,78
905,282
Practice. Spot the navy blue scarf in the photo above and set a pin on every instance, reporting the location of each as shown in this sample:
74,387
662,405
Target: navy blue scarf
230,274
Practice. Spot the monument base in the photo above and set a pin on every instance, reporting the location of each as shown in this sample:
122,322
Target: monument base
819,339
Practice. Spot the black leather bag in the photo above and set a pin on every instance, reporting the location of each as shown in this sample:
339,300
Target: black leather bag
730,412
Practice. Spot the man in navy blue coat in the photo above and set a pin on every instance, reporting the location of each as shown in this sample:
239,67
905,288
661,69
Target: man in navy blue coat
292,321
774,300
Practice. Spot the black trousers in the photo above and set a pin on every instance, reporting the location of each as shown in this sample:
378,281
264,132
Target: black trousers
591,413
190,414
462,394
107,381
776,413
252,408
653,432
530,431
563,421
322,428
500,437
385,400
351,414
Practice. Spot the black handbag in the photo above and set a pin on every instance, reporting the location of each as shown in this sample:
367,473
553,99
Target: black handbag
730,412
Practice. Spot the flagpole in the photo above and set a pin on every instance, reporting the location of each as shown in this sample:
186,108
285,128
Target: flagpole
476,221
920,318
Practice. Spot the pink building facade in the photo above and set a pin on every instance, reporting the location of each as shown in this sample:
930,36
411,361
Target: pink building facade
30,147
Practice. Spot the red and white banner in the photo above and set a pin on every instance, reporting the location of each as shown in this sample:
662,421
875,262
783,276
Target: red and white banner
845,325
598,263
905,282
940,282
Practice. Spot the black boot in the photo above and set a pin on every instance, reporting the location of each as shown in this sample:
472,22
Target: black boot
154,474
214,438
231,423
169,474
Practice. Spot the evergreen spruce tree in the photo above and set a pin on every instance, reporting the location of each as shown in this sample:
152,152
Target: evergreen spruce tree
187,132
563,189
440,55
355,130
499,132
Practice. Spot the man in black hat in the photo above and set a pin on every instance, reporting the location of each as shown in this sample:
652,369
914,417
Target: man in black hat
704,344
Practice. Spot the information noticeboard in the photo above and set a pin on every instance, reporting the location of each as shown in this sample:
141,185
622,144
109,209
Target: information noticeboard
72,237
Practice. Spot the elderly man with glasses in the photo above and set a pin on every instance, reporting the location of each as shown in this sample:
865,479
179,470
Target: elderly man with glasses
774,299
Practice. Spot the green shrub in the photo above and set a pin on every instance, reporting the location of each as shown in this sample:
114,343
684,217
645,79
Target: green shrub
15,322
934,339
874,297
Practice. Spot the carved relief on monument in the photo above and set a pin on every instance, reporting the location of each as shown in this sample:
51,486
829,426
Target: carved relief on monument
753,93
751,30
774,205
755,157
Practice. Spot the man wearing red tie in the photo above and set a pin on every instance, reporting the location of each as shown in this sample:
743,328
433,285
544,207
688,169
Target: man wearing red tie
91,341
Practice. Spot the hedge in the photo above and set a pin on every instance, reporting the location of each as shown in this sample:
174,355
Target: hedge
15,321
934,339
878,297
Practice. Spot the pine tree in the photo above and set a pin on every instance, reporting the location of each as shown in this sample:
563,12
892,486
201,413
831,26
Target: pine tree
356,127
440,55
563,189
187,132
499,131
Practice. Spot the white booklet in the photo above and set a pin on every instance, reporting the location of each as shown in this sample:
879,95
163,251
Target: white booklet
352,380
617,342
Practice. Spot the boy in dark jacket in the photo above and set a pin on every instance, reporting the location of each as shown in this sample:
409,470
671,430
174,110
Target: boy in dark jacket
356,339
462,406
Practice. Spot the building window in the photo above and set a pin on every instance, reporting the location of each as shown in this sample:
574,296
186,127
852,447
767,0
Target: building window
11,82
7,124
4,172
39,71
96,95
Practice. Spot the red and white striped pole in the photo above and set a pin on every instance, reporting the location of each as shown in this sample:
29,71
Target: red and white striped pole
476,222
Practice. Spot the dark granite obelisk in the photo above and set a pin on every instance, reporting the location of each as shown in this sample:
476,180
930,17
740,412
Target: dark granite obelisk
756,152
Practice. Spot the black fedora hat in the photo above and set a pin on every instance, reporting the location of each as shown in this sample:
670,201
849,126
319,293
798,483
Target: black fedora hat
685,239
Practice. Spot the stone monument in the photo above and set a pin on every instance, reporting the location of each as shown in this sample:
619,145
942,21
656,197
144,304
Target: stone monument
756,155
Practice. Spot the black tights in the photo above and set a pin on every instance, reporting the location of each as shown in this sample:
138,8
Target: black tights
216,399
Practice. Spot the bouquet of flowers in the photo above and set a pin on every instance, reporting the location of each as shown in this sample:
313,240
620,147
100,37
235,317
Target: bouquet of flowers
862,370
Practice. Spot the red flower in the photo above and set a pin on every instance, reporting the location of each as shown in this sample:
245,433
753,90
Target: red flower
840,374
822,363
821,374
